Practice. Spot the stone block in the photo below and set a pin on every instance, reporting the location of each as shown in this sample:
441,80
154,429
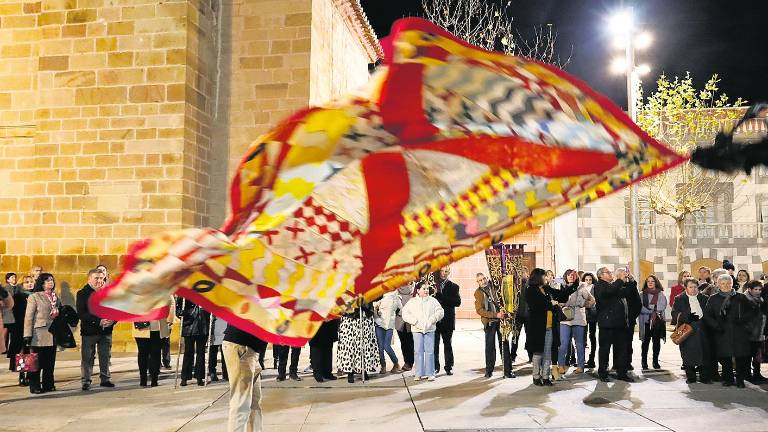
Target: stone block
166,74
54,63
138,12
32,8
74,30
18,21
169,40
106,44
75,79
150,58
169,9
79,16
280,47
120,59
16,50
120,28
83,45
175,56
273,62
11,9
88,61
49,5
271,90
112,77
176,92
147,93
298,19
301,45
102,95
251,62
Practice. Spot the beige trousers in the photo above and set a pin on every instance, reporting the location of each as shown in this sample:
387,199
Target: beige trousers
244,388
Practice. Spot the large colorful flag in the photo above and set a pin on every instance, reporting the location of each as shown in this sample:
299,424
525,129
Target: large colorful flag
448,150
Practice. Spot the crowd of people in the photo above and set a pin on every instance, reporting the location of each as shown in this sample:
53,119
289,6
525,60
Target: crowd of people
723,311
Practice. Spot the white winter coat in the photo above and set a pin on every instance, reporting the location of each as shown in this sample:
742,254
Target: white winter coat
422,313
386,310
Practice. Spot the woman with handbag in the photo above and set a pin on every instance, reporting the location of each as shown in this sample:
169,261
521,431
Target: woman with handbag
690,333
574,328
652,324
149,336
544,316
43,307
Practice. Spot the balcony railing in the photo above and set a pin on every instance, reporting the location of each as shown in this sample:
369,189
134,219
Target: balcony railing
696,231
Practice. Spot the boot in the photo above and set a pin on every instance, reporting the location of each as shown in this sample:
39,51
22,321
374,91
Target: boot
214,376
142,380
23,380
644,358
153,381
656,364
350,378
383,368
395,368
406,367
294,376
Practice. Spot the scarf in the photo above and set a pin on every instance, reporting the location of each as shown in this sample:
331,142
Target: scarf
693,302
727,302
51,296
653,301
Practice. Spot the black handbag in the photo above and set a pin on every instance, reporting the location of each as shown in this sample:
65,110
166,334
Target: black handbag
559,315
141,325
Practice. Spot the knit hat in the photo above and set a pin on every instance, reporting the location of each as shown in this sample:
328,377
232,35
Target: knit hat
728,265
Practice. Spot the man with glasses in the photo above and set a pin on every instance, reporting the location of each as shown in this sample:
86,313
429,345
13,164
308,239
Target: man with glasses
96,334
487,306
613,315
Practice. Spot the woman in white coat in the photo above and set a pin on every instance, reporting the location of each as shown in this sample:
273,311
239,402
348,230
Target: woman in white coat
149,341
422,313
384,316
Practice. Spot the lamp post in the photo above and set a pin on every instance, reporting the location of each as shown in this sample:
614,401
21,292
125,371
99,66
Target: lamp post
623,28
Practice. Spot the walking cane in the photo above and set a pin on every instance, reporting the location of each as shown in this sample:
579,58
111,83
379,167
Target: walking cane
207,347
178,353
362,341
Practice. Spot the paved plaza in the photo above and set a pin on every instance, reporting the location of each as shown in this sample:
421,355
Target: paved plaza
659,401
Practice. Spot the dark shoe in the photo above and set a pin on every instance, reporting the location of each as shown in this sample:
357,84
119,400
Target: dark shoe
510,375
106,384
604,378
690,380
740,384
590,364
630,368
183,383
330,378
294,376
625,377
448,371
86,387
214,377
350,378
153,381
36,391
49,389
280,378
644,365
538,382
318,378
705,381
142,381
656,365
487,374
167,367
547,382
201,382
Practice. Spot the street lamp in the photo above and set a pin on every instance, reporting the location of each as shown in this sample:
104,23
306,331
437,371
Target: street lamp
627,37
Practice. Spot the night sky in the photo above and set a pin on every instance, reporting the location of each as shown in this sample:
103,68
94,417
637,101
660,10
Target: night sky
700,36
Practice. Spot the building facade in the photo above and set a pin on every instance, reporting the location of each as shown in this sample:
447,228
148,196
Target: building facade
123,118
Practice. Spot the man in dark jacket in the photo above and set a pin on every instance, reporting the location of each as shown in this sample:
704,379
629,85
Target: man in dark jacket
447,294
241,354
487,306
634,306
194,329
321,350
95,332
613,316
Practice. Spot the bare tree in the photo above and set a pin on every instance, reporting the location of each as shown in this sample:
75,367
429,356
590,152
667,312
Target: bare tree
489,24
681,116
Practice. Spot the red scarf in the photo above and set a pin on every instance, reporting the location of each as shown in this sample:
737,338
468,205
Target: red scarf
51,296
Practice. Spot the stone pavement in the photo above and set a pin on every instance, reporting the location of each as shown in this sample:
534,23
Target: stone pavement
659,401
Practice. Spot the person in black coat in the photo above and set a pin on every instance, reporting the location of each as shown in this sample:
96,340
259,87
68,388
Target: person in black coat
194,330
727,316
614,318
17,340
753,291
95,334
447,294
321,350
634,306
689,309
542,326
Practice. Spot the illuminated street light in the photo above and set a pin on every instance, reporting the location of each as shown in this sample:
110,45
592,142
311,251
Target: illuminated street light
626,36
643,40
